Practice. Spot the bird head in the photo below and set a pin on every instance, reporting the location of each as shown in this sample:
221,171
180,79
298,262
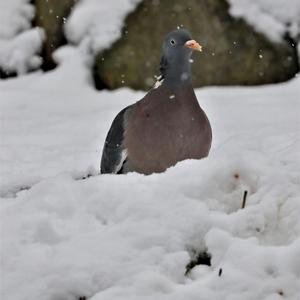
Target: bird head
179,43
177,49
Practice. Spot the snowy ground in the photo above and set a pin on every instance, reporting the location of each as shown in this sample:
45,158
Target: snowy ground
131,236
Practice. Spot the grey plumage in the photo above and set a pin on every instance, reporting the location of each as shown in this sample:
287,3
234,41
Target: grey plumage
164,127
111,161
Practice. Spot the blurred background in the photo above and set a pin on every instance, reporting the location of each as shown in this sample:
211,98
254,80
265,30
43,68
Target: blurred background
245,42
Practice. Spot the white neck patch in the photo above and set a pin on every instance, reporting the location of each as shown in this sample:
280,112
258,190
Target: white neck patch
158,82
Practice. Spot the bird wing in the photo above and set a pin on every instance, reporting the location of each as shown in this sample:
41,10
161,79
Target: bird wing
114,154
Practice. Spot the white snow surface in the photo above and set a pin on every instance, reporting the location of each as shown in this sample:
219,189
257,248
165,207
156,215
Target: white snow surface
19,44
20,54
274,18
98,23
15,16
130,236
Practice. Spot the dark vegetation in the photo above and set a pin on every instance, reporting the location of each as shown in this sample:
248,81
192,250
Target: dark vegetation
233,53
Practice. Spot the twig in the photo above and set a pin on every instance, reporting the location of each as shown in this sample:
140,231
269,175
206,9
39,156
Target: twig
220,272
244,199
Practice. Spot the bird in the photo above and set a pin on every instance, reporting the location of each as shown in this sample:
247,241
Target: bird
167,125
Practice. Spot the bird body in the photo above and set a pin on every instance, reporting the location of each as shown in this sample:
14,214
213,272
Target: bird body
166,126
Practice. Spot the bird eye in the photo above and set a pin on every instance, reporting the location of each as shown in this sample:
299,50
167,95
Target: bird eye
172,42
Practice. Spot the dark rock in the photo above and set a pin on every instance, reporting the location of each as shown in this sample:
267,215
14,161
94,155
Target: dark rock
50,15
233,53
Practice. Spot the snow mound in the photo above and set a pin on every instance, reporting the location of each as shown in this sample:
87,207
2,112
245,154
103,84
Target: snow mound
15,16
274,18
19,45
99,22
20,54
131,237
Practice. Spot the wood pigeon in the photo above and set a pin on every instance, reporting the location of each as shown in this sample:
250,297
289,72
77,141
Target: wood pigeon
167,125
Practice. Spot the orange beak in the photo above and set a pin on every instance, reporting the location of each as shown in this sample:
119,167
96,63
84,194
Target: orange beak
193,45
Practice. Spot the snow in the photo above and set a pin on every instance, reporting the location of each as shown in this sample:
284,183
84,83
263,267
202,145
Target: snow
15,16
131,236
20,54
274,18
98,23
19,44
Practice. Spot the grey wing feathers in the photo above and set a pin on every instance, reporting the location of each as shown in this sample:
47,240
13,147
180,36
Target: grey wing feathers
114,154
